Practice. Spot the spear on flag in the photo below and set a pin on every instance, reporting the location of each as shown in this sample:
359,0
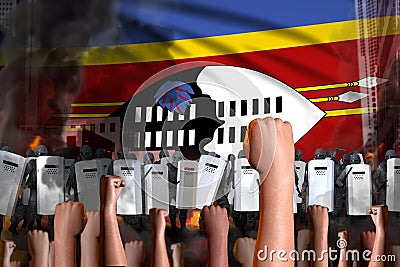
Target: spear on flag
348,97
367,82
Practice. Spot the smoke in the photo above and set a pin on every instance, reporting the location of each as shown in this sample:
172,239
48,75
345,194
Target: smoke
42,73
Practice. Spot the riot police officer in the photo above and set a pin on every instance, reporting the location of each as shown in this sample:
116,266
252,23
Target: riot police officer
31,172
340,182
8,149
380,177
148,158
100,153
226,184
301,207
319,154
21,210
340,188
354,159
85,153
162,154
173,183
241,218
298,154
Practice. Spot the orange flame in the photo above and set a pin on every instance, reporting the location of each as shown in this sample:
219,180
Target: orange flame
371,156
35,142
193,220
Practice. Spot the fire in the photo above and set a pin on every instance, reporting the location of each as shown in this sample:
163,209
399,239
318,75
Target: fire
35,142
193,220
371,157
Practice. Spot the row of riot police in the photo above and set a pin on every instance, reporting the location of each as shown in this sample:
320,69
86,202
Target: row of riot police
349,182
32,187
178,185
172,183
15,172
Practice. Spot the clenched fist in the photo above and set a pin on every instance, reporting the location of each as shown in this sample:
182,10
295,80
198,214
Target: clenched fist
243,251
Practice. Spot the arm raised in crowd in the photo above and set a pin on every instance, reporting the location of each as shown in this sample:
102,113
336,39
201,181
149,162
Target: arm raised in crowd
345,238
90,239
379,215
112,251
303,242
51,255
216,226
9,247
38,246
159,256
243,251
178,254
319,225
276,226
367,239
135,253
69,222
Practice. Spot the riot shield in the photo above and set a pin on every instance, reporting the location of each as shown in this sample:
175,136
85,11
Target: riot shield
12,168
246,192
210,174
321,183
156,187
359,199
50,183
130,199
186,192
88,173
393,184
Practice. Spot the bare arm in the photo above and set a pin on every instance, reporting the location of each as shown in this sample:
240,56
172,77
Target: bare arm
178,254
367,239
9,247
38,244
135,253
69,222
111,249
51,255
379,216
243,251
216,226
90,239
276,191
345,238
319,224
159,256
303,241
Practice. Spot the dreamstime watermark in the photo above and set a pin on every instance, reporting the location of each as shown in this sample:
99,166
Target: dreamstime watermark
331,254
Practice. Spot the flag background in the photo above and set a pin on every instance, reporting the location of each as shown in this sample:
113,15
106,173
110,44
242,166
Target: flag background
114,47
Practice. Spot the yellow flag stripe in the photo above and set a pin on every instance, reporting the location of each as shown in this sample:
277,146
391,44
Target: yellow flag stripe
324,99
243,42
217,45
327,86
99,104
82,115
349,111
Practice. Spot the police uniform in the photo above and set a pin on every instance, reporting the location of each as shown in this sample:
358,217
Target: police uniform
31,172
340,187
